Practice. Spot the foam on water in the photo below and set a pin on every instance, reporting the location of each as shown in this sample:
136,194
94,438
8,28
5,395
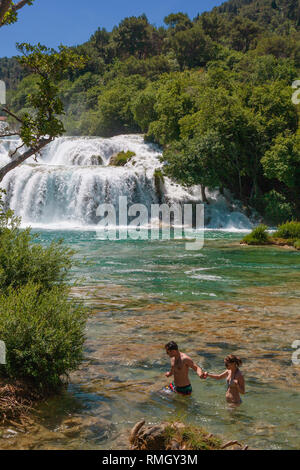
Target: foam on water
63,187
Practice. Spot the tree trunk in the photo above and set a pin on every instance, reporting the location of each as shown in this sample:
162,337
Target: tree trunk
14,163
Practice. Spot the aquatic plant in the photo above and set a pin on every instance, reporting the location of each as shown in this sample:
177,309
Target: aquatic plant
258,236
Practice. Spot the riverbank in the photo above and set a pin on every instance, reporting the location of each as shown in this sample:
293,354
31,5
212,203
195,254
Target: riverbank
286,235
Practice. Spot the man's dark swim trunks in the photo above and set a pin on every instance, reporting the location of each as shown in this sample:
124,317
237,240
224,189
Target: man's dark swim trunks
182,390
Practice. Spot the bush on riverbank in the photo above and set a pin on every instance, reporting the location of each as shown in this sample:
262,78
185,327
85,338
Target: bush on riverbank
258,236
43,333
289,230
297,244
286,234
42,327
23,260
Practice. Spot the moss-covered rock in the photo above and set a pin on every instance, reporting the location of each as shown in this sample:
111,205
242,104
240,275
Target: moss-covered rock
96,160
159,183
176,436
121,158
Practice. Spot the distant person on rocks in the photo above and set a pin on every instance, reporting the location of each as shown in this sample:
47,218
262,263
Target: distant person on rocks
180,365
234,377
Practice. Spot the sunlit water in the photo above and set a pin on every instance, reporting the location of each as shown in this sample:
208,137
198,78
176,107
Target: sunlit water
223,299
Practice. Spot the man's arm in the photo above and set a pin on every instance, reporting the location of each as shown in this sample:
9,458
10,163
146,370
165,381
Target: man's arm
190,363
169,374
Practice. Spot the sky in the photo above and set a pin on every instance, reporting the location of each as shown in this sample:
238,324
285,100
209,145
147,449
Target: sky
72,22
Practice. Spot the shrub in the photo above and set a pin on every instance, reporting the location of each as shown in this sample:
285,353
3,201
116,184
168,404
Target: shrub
297,244
289,230
22,260
42,327
121,158
43,332
276,208
258,236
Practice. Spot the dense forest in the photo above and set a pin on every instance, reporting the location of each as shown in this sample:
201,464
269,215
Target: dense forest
215,92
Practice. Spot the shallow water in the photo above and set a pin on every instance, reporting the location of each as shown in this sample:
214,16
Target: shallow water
223,299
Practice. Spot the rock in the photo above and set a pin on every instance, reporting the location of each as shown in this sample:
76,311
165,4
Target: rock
176,436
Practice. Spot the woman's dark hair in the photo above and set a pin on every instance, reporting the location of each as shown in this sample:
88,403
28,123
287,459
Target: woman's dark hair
232,359
171,346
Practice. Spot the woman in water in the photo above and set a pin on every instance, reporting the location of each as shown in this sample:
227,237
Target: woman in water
234,378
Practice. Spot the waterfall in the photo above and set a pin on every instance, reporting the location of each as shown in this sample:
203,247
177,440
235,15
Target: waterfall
64,185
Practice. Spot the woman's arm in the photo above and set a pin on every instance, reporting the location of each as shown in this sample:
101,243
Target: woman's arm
218,377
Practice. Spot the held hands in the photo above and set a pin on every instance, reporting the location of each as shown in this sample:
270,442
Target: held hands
203,375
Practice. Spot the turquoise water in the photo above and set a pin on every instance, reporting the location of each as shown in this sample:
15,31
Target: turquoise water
223,299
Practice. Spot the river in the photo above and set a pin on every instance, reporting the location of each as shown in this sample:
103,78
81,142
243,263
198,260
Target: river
225,298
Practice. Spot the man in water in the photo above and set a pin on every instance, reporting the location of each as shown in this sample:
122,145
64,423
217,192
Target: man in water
180,364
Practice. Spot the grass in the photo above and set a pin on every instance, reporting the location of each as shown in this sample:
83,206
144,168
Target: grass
258,236
121,158
288,231
192,437
286,234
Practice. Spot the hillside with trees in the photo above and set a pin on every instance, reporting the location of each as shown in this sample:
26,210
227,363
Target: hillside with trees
214,92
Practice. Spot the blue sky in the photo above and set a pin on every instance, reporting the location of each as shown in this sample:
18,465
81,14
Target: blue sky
71,22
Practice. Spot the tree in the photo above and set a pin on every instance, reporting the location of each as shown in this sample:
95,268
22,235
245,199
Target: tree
197,161
39,127
178,22
192,47
282,162
132,37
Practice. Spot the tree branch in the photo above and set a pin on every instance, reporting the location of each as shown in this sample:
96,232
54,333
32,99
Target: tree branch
11,165
5,5
9,134
20,5
7,111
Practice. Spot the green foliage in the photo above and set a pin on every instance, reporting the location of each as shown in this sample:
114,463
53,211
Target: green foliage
43,332
192,437
121,158
276,207
258,236
11,15
196,161
42,327
22,259
214,92
282,161
297,244
192,47
289,230
50,67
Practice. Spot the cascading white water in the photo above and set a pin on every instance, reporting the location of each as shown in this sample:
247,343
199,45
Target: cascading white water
66,184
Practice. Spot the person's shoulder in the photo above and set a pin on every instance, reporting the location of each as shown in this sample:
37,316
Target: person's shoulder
186,358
